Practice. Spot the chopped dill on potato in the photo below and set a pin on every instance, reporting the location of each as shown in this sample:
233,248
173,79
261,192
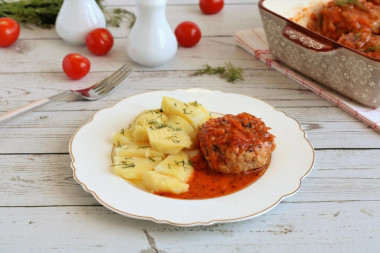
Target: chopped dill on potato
126,163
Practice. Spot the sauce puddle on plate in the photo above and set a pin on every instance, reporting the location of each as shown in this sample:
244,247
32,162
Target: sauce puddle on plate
206,183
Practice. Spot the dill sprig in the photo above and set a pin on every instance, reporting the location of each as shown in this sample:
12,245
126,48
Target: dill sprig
372,49
173,137
126,163
154,124
357,35
195,103
43,13
183,163
228,72
347,2
172,129
185,111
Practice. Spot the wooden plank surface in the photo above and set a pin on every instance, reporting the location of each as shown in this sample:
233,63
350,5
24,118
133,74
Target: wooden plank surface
47,56
78,229
43,209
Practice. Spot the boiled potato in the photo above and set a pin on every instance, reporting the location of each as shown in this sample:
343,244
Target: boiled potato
156,182
124,137
193,112
133,150
178,122
139,133
138,183
133,168
168,140
147,119
178,166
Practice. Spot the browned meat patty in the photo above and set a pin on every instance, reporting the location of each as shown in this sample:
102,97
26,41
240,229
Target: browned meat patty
236,144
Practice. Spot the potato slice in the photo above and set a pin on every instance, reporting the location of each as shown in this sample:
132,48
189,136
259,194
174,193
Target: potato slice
168,140
156,182
178,166
138,183
133,168
132,150
139,133
147,119
124,137
193,112
178,122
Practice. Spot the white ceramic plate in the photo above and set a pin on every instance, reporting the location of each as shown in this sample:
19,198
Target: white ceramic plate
91,145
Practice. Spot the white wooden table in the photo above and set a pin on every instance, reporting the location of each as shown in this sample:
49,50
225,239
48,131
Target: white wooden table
43,209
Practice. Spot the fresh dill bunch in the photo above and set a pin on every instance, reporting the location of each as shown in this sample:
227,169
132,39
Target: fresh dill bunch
116,16
43,13
228,72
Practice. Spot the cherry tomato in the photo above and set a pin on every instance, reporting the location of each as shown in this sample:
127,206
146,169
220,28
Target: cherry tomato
76,66
211,6
99,41
9,31
188,34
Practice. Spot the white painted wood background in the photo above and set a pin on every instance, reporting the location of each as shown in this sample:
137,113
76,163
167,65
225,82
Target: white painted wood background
43,209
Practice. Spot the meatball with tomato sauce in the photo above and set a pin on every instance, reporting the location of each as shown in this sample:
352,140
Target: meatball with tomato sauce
236,144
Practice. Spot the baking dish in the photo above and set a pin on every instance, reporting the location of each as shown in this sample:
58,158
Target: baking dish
337,66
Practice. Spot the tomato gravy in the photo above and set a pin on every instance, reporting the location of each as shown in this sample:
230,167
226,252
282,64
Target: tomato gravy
206,183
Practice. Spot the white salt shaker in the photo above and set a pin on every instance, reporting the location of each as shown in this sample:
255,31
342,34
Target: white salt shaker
151,42
77,18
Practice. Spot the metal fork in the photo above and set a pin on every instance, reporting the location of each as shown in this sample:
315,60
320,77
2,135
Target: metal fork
94,92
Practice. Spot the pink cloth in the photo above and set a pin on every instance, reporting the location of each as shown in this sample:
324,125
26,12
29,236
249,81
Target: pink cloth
254,41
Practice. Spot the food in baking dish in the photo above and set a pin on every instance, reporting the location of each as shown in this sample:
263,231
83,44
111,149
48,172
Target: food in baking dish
354,23
346,70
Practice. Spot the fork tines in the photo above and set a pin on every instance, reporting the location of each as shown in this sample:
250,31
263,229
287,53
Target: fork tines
113,80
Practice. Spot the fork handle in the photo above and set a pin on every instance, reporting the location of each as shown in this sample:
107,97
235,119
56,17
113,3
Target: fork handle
32,105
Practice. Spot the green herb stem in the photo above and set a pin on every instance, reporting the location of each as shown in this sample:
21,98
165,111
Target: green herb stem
348,2
228,72
372,49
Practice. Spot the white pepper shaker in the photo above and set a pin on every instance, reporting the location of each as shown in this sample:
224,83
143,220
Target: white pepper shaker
151,42
77,18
